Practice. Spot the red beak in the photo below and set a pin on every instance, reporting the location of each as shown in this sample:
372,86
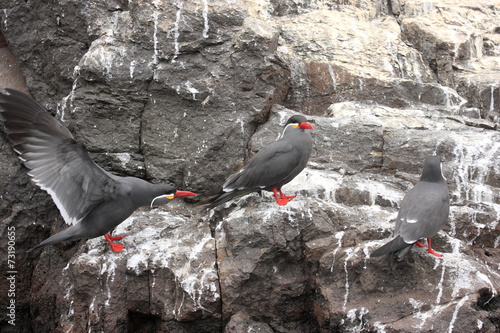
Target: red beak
305,125
184,194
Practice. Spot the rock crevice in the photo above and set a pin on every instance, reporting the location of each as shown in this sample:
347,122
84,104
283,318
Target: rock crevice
185,92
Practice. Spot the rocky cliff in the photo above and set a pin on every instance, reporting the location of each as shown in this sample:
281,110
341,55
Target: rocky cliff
183,92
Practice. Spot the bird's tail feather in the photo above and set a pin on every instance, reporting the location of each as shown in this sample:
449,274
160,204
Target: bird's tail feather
224,197
69,234
393,246
394,258
396,249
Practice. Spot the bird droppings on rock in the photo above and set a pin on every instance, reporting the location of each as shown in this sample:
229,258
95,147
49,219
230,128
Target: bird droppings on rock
384,86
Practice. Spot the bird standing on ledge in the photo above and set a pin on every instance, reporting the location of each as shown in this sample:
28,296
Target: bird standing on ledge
90,199
272,167
424,211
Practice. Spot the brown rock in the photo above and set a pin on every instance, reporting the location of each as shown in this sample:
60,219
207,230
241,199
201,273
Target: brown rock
185,92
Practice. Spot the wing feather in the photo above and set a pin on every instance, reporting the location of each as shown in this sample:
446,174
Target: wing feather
422,216
57,163
265,168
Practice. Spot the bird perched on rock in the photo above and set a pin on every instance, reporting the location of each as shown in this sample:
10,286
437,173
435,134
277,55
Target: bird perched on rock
272,167
90,199
424,211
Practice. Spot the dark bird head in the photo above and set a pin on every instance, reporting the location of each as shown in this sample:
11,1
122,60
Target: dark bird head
294,123
169,194
298,121
432,170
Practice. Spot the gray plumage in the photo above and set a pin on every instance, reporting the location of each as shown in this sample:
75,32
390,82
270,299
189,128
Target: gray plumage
273,166
424,211
90,199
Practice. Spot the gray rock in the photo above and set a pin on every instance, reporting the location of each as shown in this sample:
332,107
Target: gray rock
243,323
185,92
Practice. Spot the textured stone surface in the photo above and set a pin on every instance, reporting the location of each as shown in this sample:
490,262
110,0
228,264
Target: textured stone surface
184,92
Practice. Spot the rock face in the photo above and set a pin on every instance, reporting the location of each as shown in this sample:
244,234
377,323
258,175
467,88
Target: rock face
184,92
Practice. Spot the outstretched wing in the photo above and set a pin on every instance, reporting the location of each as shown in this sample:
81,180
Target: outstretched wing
57,163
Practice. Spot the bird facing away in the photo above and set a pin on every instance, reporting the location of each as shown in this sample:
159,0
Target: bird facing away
90,199
272,167
423,212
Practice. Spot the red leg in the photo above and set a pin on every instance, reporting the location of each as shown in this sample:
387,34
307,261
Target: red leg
286,196
114,247
419,244
115,237
430,250
281,201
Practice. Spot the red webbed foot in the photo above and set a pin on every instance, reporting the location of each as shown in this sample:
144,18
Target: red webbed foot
282,195
281,199
115,237
115,247
419,244
430,250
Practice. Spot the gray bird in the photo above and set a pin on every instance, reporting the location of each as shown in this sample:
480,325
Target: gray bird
424,211
272,167
90,199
